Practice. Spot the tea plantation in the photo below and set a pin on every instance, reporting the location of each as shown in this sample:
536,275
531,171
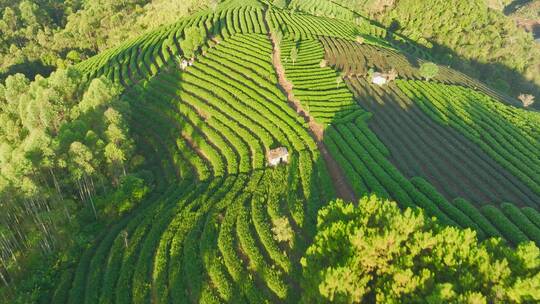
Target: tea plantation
213,93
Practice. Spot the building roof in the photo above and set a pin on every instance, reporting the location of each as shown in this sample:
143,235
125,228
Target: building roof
277,153
379,79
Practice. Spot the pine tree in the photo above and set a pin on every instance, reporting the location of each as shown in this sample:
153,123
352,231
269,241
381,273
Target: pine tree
376,251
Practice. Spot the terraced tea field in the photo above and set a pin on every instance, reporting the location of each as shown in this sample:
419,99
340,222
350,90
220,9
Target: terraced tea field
452,146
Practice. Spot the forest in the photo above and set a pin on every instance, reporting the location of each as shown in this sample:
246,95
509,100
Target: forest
37,37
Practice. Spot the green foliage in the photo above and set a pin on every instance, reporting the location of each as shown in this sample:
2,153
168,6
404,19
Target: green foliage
507,228
66,142
294,54
461,218
375,251
40,36
125,198
428,70
73,56
282,231
477,217
194,37
521,221
270,240
219,226
533,215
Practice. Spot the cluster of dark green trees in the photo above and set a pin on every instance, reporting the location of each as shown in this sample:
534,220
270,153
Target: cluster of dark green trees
38,36
472,36
374,252
65,156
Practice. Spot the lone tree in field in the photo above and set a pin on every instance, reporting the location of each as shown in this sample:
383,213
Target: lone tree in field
294,54
374,252
282,230
526,99
429,70
193,39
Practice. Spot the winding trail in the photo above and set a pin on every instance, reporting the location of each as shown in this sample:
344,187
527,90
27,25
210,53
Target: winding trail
343,189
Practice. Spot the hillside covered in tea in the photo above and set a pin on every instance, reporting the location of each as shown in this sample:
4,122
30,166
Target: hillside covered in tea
200,162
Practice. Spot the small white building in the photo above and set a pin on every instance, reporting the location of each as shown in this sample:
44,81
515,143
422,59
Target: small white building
277,156
184,64
379,79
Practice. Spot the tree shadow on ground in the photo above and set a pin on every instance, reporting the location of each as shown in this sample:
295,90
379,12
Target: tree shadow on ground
30,69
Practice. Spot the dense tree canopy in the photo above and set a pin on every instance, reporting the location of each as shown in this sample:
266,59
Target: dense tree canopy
64,143
429,70
194,39
374,251
36,37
